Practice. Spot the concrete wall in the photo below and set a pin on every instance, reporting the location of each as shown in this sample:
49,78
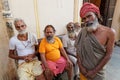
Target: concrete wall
57,13
24,9
116,20
7,65
39,13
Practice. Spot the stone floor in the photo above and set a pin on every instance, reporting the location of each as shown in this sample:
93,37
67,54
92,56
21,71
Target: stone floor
113,67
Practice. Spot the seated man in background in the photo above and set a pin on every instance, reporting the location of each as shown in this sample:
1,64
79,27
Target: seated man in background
29,68
68,43
77,28
53,55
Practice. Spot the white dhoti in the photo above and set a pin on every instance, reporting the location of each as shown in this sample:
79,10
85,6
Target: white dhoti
28,71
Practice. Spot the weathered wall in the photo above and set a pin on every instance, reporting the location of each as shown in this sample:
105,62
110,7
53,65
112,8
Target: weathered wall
7,65
39,13
116,20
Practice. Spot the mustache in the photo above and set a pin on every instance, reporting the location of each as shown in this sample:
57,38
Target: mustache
89,24
49,37
22,31
72,31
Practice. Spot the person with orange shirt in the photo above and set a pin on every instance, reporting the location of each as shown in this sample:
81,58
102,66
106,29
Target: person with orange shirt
53,55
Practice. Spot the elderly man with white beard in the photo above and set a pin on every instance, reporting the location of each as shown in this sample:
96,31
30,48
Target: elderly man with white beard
29,67
94,44
68,43
77,28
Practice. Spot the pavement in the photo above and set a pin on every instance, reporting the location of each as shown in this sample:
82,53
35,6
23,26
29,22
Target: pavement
113,68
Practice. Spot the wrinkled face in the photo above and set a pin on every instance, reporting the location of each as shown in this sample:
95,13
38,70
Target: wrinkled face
91,21
20,27
71,35
77,26
71,30
49,33
70,27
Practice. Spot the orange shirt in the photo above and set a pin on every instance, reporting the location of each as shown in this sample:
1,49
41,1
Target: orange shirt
51,50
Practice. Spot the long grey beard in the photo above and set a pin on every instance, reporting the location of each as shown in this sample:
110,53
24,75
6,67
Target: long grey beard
71,34
92,26
50,39
77,30
22,32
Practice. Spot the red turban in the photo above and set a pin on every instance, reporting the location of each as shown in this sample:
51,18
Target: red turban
88,7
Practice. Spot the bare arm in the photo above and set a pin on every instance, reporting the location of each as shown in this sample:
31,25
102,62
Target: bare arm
42,55
68,52
27,58
48,73
14,56
109,49
63,53
69,63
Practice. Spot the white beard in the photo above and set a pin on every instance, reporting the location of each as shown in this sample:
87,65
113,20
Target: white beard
51,40
22,32
94,26
71,34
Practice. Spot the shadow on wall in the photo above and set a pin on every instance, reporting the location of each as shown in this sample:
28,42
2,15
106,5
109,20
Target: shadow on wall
7,65
10,73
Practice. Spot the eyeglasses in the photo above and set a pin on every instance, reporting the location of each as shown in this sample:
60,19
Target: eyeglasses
70,27
20,26
87,17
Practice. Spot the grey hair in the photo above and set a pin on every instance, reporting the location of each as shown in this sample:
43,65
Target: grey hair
18,19
70,23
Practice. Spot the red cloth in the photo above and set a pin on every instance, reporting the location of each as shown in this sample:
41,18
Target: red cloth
88,7
58,66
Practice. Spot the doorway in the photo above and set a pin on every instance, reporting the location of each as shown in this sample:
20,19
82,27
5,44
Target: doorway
106,9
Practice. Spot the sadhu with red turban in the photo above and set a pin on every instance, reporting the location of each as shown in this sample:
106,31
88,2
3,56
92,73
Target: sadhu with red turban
94,44
89,7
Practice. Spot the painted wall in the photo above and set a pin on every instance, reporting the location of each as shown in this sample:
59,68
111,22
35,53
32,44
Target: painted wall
7,65
55,12
41,13
116,20
24,9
